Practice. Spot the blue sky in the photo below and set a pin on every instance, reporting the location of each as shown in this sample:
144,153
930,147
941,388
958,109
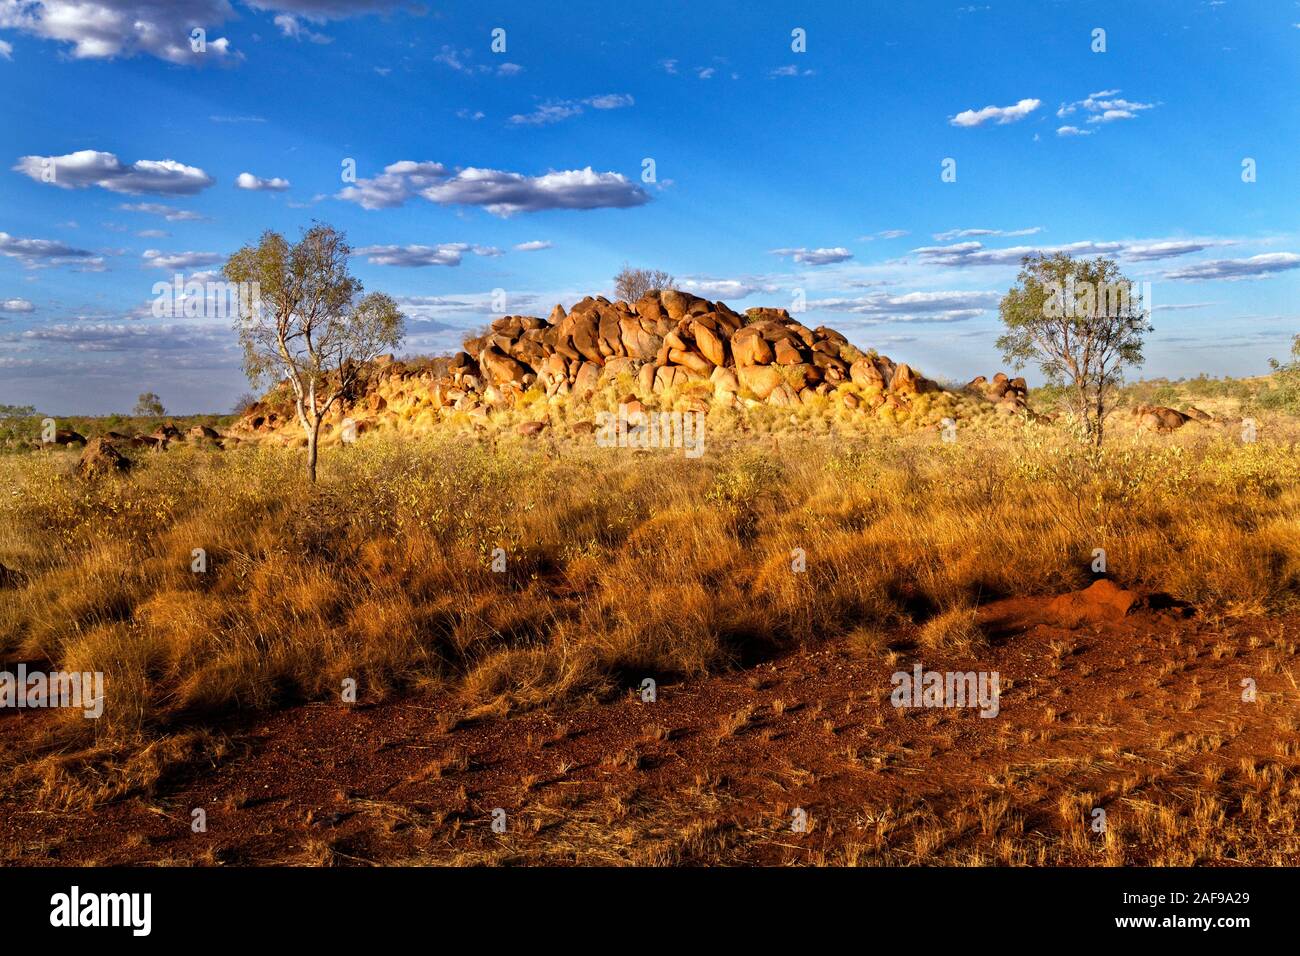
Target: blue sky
775,170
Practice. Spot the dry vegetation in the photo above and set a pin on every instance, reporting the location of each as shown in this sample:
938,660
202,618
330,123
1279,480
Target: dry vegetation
619,565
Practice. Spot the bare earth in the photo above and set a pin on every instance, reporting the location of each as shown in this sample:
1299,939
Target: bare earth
1139,714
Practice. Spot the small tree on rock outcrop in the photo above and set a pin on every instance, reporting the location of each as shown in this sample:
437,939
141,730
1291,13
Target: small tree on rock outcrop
630,284
1081,321
309,323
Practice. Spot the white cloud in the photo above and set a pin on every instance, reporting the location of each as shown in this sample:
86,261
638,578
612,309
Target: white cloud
6,50
88,167
180,261
257,184
1232,270
535,245
500,193
395,185
946,306
290,27
1072,131
170,213
16,306
725,289
38,253
105,29
815,257
1001,115
131,336
975,254
553,111
443,254
1101,107
460,61
971,233
789,71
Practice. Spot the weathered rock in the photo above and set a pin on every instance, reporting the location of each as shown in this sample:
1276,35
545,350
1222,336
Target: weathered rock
787,354
759,379
501,368
100,458
673,376
865,373
585,382
782,396
1162,419
748,348
530,429
711,345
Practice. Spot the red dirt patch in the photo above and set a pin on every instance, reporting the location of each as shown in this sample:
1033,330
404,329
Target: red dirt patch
1140,713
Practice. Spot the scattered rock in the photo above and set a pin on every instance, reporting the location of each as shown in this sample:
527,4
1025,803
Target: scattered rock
100,458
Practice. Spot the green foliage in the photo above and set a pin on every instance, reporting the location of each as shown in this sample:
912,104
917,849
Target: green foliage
1081,323
149,405
308,321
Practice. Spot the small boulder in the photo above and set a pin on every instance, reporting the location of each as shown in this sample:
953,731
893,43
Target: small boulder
101,458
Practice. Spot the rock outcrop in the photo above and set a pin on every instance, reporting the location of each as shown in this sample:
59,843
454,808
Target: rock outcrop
664,346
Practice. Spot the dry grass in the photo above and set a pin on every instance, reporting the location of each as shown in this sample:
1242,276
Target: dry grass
619,565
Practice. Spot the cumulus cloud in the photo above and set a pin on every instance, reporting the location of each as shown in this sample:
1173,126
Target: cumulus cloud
105,29
499,192
947,306
180,261
395,185
725,289
37,253
553,111
443,254
257,184
535,245
1073,131
6,50
89,167
16,306
1232,270
815,257
1001,115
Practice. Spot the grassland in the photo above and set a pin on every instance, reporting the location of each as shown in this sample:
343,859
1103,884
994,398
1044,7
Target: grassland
618,565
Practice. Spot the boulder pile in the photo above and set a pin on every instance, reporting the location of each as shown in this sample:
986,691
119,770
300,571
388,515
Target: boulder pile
665,345
1011,395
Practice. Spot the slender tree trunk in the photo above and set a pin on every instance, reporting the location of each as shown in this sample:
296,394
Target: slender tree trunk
313,439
